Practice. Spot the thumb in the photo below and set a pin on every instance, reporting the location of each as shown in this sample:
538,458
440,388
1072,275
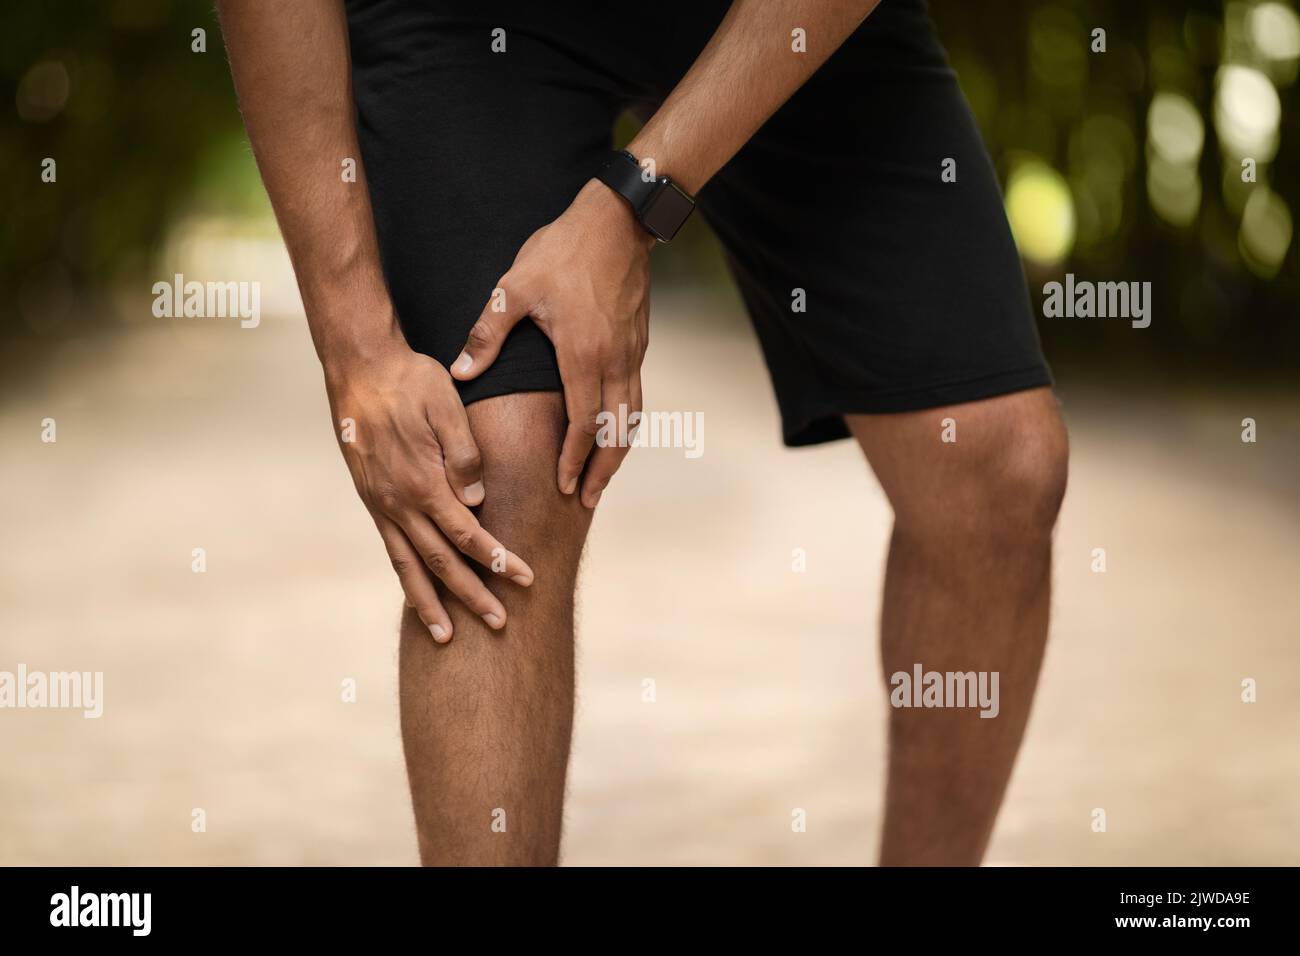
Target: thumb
502,313
462,463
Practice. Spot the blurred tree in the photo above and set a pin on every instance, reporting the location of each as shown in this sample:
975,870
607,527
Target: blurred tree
1043,89
144,129
112,92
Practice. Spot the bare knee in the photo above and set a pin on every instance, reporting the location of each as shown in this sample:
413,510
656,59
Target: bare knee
1024,486
519,437
1002,483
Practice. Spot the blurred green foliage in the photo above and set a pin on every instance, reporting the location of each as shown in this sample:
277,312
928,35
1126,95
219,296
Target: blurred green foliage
1039,90
146,130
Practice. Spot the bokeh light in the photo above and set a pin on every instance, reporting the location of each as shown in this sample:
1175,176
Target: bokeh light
1247,112
1041,212
1266,230
43,91
1175,138
1174,190
1174,129
1274,31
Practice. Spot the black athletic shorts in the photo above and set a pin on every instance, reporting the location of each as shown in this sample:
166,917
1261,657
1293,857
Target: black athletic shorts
914,295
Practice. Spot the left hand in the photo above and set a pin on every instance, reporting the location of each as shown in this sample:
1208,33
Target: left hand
585,280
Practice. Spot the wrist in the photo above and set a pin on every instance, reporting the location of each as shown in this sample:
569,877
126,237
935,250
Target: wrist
357,337
613,213
684,168
658,202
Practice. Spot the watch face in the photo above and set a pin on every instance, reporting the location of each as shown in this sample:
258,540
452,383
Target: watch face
666,210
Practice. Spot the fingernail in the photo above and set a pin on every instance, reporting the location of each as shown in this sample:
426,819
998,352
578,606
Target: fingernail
408,602
595,499
474,492
464,362
494,620
522,579
439,632
569,488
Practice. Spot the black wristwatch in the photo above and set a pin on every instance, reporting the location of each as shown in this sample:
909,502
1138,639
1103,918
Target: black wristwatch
659,204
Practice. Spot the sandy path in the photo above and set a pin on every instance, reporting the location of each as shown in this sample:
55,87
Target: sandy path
223,689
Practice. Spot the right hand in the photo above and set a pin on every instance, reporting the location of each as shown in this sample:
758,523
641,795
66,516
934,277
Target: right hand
417,469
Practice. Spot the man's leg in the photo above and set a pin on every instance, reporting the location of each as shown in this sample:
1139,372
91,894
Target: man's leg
966,589
486,718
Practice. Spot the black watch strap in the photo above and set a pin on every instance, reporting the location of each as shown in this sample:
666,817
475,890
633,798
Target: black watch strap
659,204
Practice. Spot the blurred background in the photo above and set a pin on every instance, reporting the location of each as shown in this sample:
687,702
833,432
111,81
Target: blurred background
223,689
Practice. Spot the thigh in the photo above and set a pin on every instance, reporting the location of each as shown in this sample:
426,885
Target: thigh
467,151
875,285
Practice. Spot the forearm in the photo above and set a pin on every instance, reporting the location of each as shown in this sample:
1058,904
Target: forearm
744,74
291,68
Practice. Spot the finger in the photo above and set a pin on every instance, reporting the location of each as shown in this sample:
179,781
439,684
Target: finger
420,592
461,528
582,401
461,461
636,416
450,568
505,308
605,460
